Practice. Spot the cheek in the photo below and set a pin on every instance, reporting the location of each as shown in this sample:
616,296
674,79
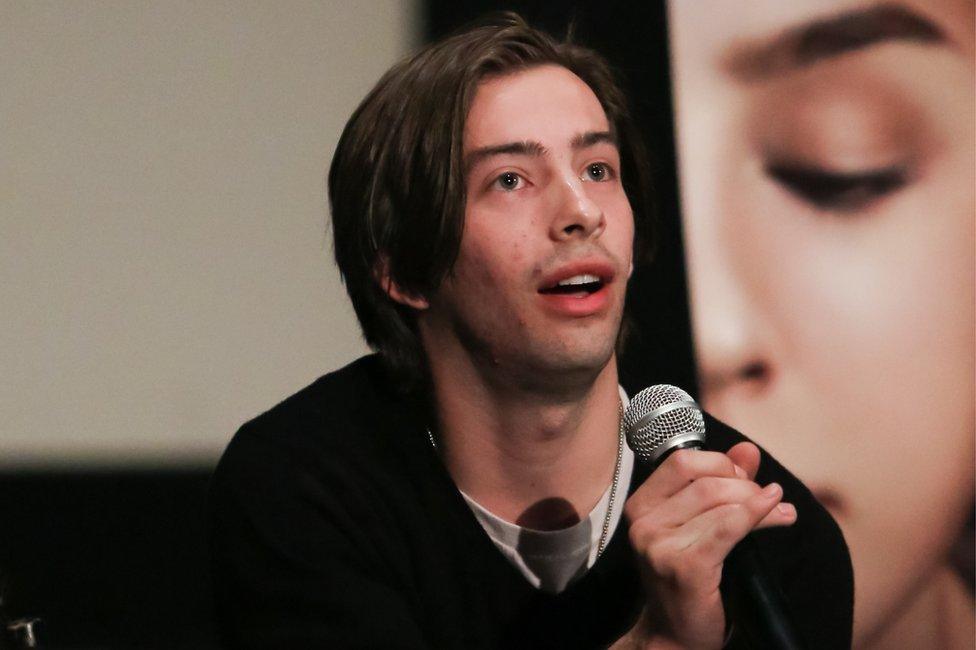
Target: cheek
490,262
620,228
891,292
872,322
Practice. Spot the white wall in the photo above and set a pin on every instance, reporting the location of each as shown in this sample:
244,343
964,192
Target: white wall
165,272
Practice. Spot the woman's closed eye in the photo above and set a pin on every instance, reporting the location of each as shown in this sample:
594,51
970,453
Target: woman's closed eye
838,191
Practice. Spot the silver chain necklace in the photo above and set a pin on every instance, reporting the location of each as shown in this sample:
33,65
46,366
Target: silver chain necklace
613,485
604,536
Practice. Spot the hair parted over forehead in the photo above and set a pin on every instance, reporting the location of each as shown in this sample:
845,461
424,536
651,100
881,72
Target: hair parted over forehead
397,186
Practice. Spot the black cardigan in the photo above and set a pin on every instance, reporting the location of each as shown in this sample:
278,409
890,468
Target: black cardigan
334,524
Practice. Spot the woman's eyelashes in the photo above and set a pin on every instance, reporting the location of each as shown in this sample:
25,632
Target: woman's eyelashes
838,191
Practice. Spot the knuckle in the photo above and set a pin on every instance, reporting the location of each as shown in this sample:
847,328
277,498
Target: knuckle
725,531
632,510
662,562
682,462
712,490
690,570
728,466
642,533
636,535
731,522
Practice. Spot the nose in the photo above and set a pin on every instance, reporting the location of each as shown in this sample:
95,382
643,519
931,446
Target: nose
576,214
733,338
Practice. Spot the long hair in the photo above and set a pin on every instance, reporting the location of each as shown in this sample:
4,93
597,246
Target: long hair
396,184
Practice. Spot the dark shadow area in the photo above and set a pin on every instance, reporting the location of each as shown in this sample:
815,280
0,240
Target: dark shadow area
108,559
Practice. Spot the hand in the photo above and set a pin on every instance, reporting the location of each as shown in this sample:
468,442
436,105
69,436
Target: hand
684,520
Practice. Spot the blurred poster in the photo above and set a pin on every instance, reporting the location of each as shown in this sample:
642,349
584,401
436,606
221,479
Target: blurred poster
826,165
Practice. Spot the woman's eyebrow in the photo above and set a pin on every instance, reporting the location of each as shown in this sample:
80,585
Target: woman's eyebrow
825,38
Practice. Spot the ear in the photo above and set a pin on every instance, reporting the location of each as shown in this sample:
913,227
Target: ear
381,273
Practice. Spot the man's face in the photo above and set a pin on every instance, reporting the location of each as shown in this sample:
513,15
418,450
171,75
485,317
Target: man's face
538,286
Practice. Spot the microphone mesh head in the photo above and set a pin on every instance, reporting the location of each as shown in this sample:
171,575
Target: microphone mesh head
660,417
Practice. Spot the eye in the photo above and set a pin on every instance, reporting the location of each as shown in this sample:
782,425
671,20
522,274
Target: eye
839,191
508,181
598,172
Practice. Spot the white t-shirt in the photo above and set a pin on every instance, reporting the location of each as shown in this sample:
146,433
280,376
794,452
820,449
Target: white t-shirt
551,559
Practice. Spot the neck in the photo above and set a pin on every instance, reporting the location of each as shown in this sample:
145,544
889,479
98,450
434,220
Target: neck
538,458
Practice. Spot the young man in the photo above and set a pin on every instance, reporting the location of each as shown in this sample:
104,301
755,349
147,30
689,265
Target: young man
466,487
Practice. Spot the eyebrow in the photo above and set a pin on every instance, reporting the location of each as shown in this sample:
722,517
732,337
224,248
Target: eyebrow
590,138
831,37
533,148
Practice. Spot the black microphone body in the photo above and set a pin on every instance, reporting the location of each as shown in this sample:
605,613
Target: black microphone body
670,420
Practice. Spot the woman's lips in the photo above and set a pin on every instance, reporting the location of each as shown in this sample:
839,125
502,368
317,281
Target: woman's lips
830,499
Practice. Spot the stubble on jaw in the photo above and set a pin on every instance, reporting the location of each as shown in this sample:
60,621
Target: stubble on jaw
522,351
556,369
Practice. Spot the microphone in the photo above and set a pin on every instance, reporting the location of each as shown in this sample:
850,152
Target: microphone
662,419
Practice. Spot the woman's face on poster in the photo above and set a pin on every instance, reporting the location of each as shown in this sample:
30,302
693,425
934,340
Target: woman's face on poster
827,173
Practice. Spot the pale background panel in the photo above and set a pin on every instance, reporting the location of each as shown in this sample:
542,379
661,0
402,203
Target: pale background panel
166,268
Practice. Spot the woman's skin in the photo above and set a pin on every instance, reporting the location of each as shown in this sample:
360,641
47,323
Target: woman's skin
827,172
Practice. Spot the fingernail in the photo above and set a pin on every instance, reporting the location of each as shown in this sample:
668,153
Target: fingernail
786,509
741,473
772,490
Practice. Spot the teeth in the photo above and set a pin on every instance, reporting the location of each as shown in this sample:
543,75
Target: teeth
578,279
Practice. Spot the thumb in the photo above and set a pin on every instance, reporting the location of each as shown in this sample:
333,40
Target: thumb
746,455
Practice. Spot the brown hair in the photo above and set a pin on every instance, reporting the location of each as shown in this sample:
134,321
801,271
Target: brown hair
396,185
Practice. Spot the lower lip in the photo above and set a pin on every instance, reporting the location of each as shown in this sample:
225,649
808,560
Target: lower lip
578,305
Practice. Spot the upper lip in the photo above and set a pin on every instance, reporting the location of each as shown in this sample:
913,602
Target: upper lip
597,267
829,498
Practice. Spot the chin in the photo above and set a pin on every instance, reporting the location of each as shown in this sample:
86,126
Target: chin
586,361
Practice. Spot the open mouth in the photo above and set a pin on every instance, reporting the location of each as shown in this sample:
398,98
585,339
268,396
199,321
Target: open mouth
582,285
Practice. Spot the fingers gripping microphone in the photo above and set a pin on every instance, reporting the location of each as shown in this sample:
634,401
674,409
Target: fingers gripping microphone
659,421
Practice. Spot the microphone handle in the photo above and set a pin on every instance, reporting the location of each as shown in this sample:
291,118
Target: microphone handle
759,605
759,608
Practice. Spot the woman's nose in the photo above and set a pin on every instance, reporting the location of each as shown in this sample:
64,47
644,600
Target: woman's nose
730,327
